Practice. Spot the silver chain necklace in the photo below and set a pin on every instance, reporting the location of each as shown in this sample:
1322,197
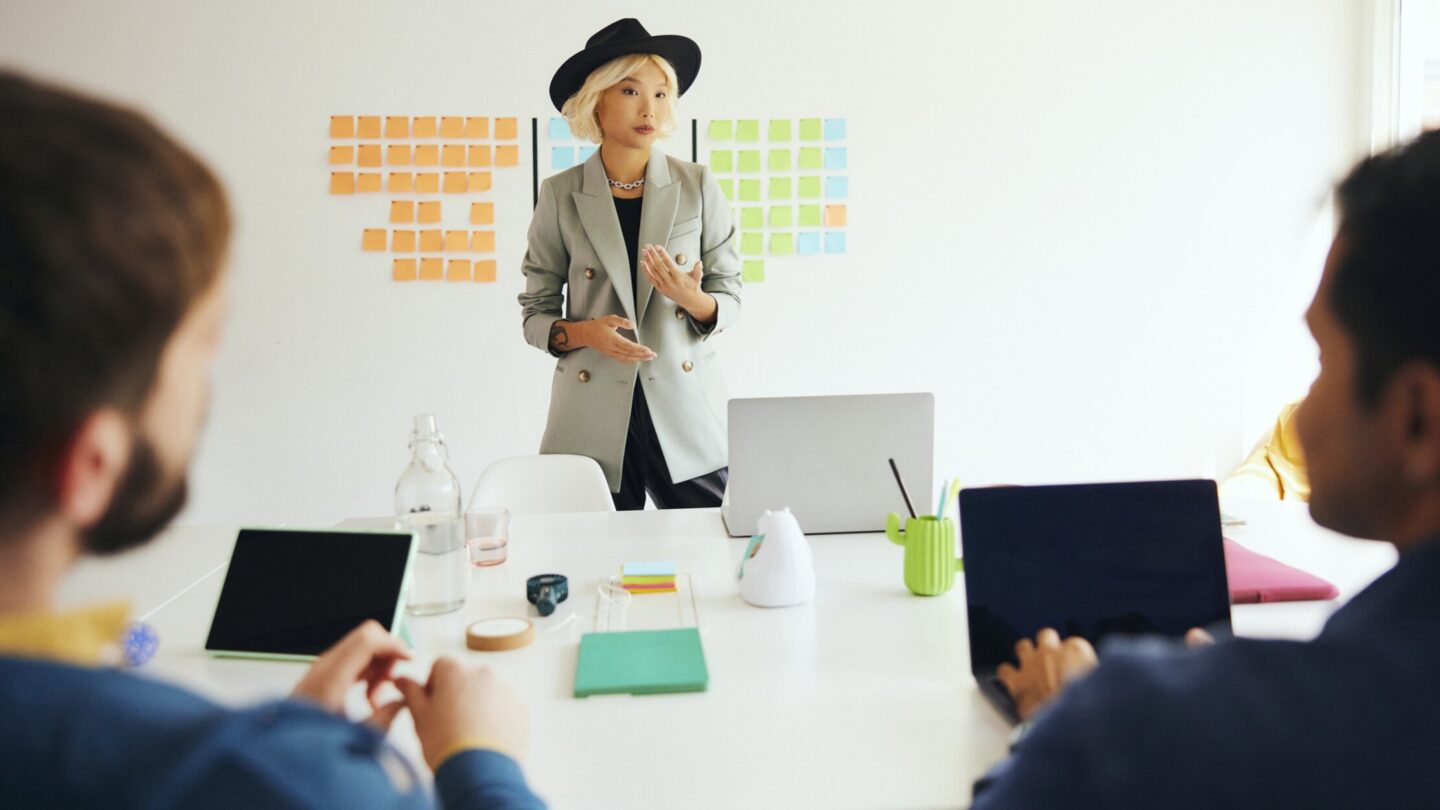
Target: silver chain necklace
626,186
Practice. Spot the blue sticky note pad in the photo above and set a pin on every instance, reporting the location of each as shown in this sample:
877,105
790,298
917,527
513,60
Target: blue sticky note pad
562,157
835,157
560,130
834,241
587,151
648,569
808,243
834,129
837,188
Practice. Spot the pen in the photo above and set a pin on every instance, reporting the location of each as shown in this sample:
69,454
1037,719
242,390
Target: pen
903,493
940,500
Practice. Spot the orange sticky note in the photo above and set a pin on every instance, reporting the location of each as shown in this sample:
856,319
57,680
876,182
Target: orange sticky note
397,155
480,155
834,216
432,269
477,127
505,129
402,211
427,155
374,239
452,126
485,270
342,183
401,182
483,242
507,155
431,242
479,181
482,213
369,154
453,155
341,155
455,183
404,270
459,270
402,241
397,126
369,126
423,127
457,241
429,212
427,183
342,126
369,181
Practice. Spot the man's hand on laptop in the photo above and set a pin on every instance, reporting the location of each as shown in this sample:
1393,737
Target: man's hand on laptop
1048,665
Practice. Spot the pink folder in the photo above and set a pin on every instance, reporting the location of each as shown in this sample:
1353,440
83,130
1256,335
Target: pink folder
1257,578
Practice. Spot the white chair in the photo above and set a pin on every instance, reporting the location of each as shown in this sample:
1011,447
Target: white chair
544,483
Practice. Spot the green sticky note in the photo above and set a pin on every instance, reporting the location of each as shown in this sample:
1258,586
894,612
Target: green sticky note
810,188
782,244
747,130
811,158
752,270
781,188
809,216
641,662
722,130
750,160
810,129
781,216
722,161
780,130
752,244
779,160
752,217
750,190
727,187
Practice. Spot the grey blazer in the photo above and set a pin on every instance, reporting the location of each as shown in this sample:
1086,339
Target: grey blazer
575,240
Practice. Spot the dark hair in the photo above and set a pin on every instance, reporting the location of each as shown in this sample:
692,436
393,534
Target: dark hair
1385,288
109,232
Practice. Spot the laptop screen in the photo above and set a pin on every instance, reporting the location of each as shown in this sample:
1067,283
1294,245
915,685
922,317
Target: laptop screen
1090,560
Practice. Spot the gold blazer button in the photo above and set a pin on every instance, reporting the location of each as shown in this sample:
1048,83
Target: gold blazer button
589,272
681,259
688,366
680,313
585,376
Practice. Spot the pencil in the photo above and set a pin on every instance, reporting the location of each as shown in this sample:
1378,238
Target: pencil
903,492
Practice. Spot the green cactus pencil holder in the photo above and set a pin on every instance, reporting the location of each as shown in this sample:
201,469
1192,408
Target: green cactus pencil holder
930,562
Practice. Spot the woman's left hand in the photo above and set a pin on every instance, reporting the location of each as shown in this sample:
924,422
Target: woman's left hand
674,283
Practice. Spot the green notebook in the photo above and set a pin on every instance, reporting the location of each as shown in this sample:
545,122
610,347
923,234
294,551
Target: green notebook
641,662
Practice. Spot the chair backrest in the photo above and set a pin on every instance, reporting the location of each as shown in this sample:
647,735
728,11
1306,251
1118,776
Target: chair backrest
544,483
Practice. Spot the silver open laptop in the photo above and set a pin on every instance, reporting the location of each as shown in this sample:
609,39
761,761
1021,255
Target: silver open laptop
827,459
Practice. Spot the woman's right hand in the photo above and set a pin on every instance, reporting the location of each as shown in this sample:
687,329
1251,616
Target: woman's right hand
602,334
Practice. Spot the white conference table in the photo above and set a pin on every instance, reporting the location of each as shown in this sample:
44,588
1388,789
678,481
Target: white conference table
861,699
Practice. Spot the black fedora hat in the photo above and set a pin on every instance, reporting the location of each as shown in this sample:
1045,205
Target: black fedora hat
622,38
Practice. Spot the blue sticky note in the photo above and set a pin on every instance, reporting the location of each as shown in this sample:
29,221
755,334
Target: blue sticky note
808,243
835,157
587,151
560,130
648,569
834,129
837,188
562,157
834,241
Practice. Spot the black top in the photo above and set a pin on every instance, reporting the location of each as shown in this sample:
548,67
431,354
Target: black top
629,213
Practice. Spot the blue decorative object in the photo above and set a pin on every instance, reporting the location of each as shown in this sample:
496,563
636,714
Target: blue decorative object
138,644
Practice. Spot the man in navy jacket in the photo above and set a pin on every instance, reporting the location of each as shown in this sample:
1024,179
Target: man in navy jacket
112,300
1345,720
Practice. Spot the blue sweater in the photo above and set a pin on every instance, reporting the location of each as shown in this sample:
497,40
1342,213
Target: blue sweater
1347,720
79,738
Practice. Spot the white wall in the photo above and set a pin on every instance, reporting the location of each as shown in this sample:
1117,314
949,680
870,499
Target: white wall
1073,222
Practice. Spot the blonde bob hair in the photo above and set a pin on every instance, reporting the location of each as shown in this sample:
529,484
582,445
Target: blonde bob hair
579,109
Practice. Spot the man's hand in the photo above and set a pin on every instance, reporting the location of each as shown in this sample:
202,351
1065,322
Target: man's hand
1046,665
462,708
368,654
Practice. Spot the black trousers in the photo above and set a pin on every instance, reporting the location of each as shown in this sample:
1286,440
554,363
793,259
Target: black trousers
644,470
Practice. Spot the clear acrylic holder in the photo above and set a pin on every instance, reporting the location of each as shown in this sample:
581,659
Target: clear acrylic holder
617,609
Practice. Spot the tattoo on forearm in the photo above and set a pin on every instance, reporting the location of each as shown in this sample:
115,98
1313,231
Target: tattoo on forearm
559,338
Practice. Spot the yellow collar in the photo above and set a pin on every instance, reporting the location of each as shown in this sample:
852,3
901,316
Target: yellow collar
81,636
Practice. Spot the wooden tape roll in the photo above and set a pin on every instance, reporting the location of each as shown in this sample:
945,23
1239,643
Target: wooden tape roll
494,635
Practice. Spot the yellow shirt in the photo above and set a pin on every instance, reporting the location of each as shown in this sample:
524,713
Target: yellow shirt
85,637
1276,468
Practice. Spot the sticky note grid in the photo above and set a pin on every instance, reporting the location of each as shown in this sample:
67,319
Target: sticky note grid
406,159
787,181
562,149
